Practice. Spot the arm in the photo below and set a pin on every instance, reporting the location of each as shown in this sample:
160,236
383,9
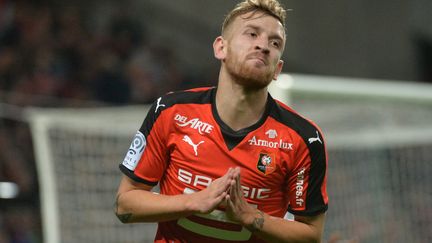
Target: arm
272,229
136,203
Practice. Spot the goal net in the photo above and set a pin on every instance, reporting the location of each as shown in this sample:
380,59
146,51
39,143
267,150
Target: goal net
78,152
379,138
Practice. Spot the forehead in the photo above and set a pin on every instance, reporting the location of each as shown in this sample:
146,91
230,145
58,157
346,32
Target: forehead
259,20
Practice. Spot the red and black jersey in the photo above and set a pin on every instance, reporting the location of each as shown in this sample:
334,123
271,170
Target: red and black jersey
184,145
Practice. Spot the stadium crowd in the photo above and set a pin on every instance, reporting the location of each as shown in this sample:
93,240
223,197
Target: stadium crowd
49,56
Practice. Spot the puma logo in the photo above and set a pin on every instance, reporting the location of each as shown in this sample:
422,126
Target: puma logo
188,140
158,104
311,140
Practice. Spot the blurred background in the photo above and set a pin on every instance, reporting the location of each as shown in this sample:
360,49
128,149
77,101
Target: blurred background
98,53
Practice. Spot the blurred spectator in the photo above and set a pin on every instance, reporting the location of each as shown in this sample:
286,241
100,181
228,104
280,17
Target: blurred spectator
13,166
48,51
151,72
49,57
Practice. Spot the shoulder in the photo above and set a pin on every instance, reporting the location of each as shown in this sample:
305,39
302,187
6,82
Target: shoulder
164,107
303,126
166,103
190,96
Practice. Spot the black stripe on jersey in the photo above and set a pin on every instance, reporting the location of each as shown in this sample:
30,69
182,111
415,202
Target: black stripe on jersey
171,99
314,200
131,175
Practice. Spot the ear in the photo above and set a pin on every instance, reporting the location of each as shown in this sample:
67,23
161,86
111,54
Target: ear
278,69
219,48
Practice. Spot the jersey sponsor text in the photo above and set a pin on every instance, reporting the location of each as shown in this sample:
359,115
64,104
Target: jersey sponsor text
196,180
270,144
194,123
299,187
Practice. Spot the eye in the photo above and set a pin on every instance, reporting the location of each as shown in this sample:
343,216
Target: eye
252,34
275,43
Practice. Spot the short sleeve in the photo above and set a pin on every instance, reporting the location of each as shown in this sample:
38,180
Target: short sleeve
306,184
147,156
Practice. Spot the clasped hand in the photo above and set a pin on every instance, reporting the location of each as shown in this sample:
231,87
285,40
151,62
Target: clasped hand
227,192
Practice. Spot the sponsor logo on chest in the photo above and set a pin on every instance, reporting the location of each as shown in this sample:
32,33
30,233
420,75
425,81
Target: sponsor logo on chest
196,180
194,123
270,144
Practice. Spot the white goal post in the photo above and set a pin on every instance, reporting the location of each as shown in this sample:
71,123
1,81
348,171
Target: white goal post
89,143
379,137
379,99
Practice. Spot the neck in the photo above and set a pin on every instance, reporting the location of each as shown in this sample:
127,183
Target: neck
239,107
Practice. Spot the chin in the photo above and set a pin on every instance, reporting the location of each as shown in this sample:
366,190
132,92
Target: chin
254,81
250,76
257,78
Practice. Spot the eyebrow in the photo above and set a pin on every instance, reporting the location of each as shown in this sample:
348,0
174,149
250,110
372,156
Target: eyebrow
272,35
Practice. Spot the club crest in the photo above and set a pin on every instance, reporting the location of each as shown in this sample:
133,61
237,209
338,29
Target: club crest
266,163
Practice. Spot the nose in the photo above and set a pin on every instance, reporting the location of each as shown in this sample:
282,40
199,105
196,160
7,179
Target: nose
262,46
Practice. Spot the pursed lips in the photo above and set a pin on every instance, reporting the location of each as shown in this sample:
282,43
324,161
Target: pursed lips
259,57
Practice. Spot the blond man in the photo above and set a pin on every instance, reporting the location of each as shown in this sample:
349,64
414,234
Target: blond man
231,161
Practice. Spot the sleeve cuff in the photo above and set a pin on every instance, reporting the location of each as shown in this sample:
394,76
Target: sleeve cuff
131,175
312,212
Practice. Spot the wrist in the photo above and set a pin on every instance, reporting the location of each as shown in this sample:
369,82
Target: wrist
254,221
190,205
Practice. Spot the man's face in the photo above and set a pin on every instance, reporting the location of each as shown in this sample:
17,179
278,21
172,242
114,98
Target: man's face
255,42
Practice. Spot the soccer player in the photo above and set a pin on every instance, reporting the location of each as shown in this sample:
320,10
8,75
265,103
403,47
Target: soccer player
230,160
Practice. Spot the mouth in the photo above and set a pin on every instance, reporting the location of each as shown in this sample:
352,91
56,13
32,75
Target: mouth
258,62
259,58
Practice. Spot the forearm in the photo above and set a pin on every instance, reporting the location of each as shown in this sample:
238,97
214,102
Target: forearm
136,203
145,206
274,229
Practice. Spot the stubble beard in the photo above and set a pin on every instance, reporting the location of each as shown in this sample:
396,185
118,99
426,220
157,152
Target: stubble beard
247,75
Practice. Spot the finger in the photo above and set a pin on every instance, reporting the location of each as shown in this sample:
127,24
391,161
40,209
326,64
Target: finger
236,171
233,192
227,174
223,183
228,177
231,176
219,199
237,190
225,177
230,203
237,178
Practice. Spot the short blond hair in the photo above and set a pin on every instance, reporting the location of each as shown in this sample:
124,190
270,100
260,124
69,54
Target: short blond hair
270,7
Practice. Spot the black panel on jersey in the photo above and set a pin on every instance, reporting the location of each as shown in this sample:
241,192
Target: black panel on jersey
171,99
131,175
314,200
189,97
231,137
